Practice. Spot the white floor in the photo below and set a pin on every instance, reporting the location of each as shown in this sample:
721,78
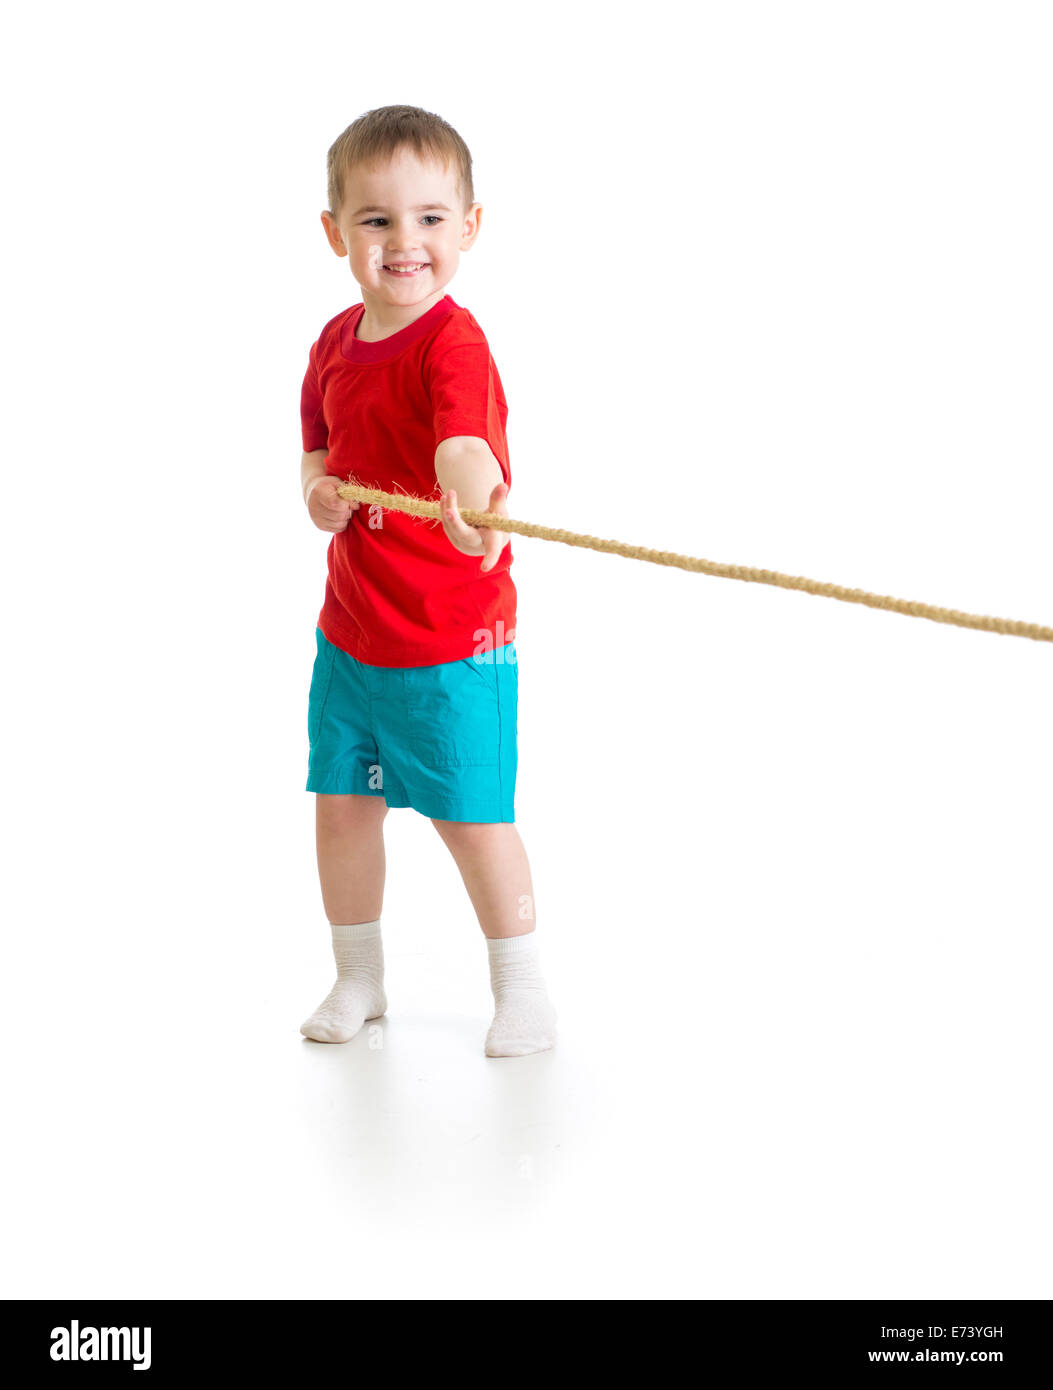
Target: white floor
804,1038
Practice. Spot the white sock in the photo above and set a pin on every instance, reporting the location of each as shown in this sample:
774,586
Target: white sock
524,1018
358,993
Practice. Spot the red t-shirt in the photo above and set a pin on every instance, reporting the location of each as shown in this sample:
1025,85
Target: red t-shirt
398,593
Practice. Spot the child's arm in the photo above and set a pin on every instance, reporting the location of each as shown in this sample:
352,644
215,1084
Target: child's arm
312,466
467,470
328,511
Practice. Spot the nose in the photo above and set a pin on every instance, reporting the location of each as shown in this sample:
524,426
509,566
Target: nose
401,236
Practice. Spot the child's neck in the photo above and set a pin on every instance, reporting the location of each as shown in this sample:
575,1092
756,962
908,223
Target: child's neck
380,320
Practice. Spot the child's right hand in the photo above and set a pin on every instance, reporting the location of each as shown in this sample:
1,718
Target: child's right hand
328,511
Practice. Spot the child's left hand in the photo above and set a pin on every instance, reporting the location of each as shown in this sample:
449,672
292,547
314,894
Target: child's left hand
475,540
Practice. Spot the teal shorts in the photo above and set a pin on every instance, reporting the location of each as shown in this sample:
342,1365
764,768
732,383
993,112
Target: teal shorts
440,739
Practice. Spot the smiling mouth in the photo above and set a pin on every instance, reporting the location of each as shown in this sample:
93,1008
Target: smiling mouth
407,271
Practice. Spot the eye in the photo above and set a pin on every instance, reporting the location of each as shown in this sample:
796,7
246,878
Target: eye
429,217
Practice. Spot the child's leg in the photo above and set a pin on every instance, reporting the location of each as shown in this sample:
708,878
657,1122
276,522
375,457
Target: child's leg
494,867
493,864
350,843
349,835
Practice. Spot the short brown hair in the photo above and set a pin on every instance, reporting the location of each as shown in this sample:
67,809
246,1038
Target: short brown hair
379,134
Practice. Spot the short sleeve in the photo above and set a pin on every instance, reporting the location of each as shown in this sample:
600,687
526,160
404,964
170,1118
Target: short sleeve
461,391
312,419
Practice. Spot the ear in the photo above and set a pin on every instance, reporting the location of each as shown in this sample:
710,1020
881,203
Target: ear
332,233
470,229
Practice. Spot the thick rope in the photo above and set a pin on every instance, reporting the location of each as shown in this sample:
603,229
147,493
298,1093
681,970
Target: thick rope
417,506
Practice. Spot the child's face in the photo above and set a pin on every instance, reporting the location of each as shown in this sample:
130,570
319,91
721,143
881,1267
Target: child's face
402,211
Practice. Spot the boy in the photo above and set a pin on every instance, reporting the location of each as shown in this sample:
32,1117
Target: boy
414,691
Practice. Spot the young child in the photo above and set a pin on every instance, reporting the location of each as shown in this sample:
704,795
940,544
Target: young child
413,699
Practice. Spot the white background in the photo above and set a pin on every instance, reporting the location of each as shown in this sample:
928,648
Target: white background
766,283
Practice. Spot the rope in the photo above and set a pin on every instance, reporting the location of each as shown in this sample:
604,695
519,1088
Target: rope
417,506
